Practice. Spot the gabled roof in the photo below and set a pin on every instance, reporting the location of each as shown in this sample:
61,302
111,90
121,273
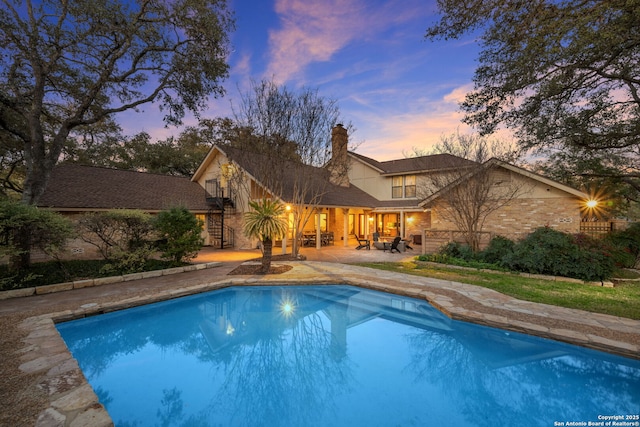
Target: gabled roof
315,178
74,187
495,163
536,177
414,165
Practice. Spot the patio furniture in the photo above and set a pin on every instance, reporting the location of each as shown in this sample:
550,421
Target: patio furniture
383,246
308,239
394,245
407,244
363,243
327,238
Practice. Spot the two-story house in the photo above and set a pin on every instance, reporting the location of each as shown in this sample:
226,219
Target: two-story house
396,197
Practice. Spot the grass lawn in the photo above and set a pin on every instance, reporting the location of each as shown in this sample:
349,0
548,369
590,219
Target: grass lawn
622,300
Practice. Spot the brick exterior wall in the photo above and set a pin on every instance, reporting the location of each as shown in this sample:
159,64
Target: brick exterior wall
514,221
522,216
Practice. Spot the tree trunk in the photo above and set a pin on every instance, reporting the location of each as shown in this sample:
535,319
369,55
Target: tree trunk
295,244
267,245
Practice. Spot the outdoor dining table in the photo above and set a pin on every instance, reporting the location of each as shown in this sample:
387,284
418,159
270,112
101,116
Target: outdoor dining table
309,239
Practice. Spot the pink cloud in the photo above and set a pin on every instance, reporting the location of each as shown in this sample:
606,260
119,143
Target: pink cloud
315,31
458,94
310,32
392,136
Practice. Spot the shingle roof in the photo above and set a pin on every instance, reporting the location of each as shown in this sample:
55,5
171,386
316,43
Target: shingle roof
74,186
314,178
411,165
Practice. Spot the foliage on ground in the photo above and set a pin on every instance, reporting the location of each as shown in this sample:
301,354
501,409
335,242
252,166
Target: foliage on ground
550,252
48,273
623,300
128,241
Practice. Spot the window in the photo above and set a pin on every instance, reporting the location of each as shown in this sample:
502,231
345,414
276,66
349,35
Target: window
410,186
323,222
403,186
396,187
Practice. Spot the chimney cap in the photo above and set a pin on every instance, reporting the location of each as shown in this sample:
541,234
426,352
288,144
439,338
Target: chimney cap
338,124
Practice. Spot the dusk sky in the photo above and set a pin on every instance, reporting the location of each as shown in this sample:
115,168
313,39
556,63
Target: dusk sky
398,89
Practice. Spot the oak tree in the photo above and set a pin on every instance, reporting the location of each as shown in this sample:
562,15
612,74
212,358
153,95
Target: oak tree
564,74
73,63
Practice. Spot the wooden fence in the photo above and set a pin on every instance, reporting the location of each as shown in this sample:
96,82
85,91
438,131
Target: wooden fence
601,228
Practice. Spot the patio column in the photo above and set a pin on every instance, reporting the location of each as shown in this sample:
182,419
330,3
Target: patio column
286,235
367,224
402,224
284,242
345,227
318,232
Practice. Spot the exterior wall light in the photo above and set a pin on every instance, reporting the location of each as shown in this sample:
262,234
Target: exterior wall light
592,203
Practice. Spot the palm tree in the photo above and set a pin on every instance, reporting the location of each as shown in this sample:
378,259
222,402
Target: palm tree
265,222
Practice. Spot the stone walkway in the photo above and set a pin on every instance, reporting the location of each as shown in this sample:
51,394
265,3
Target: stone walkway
44,357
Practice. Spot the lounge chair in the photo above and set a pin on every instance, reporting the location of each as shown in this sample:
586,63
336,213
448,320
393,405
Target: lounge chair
407,243
363,243
394,244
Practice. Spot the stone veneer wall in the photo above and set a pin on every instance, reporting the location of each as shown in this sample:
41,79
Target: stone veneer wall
240,241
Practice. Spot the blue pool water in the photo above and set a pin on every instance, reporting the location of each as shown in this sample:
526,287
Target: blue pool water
336,356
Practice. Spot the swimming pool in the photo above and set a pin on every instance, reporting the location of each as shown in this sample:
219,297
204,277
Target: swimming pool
340,356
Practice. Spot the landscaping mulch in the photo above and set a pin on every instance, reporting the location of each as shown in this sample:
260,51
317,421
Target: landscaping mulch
253,266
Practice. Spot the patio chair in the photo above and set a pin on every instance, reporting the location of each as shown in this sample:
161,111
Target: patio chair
363,243
407,243
394,245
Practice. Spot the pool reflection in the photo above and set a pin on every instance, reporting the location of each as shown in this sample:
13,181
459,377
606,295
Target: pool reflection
335,355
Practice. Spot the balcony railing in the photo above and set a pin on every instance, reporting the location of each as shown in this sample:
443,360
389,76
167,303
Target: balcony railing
222,199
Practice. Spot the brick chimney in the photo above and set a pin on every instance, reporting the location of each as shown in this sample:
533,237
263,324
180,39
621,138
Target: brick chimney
339,160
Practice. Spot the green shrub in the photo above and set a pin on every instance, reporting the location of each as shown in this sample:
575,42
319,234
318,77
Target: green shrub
498,250
125,262
118,232
180,234
625,246
457,250
548,251
47,273
24,227
597,258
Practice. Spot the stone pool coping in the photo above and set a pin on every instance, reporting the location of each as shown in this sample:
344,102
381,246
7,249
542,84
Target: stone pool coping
72,402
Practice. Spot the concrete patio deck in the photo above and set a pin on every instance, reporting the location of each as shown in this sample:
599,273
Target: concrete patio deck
42,367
